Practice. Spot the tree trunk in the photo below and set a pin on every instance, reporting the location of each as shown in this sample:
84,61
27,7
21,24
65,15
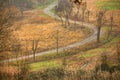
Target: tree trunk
34,47
57,41
100,23
61,21
110,30
76,16
83,12
98,34
34,55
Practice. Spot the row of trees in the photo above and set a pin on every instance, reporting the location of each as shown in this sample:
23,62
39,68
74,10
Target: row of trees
109,5
66,9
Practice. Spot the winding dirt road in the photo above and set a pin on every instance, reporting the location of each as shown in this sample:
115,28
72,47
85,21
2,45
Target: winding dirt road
87,40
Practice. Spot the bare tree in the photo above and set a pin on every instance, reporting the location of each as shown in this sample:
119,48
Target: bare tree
34,47
88,15
57,41
110,27
76,15
60,16
84,6
100,22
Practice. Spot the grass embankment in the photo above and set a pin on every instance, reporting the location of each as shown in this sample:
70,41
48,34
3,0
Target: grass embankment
78,58
51,69
44,65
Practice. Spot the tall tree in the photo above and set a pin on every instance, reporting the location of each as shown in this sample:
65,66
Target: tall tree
76,15
110,27
100,22
57,41
34,47
84,7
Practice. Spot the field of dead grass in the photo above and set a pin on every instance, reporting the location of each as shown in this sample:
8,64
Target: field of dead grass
37,26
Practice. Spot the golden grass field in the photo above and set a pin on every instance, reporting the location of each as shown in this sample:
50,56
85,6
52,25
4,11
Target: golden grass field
37,26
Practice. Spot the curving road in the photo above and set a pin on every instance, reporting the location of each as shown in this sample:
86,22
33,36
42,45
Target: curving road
87,40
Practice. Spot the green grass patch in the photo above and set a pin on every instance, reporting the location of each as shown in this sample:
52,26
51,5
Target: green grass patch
51,56
58,63
86,55
99,50
44,65
113,42
42,6
91,53
53,10
109,5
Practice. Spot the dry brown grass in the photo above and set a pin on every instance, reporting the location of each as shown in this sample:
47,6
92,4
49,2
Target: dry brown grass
8,70
37,25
